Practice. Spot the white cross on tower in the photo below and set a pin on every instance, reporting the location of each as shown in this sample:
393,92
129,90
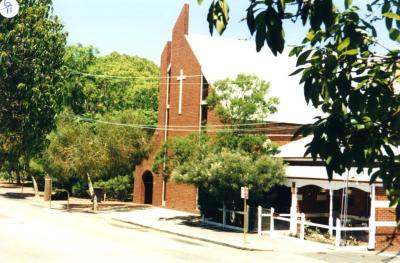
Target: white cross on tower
181,78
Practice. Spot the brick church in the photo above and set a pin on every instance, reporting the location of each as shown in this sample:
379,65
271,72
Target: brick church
189,65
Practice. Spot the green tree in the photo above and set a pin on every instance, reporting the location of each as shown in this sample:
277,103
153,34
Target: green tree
222,173
242,100
239,102
77,58
119,82
97,149
32,46
343,75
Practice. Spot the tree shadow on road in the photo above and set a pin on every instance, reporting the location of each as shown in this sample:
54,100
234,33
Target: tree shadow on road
19,196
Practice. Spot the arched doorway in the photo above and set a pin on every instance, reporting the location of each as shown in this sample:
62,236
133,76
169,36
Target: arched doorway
148,187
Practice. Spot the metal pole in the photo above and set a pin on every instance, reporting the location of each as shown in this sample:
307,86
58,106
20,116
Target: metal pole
68,200
51,191
223,214
245,221
259,220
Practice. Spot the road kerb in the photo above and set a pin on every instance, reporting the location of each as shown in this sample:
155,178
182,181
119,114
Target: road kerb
193,237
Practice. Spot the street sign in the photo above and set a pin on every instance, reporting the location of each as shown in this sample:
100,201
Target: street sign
244,192
9,8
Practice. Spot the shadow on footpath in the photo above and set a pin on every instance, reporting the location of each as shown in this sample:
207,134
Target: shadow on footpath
196,222
17,195
87,208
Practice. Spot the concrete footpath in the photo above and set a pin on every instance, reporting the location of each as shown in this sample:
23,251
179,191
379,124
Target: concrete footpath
190,226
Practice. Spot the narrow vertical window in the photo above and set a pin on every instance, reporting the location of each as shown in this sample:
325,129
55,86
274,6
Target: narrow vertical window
204,93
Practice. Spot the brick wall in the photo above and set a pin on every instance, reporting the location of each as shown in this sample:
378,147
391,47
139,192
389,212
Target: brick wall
387,238
179,55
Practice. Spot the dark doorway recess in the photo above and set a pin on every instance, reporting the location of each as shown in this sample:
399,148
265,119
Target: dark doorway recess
148,187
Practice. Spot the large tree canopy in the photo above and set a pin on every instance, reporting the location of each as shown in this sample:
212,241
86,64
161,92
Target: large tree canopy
32,47
100,84
342,74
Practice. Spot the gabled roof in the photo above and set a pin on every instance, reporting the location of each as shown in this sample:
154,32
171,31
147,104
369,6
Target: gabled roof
221,58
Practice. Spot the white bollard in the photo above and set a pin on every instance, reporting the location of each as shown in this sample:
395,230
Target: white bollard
303,220
272,221
259,222
330,231
371,235
338,226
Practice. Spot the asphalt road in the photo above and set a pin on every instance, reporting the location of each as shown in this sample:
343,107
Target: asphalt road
32,233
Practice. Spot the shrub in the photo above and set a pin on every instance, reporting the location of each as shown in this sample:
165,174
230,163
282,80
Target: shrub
60,194
80,189
117,188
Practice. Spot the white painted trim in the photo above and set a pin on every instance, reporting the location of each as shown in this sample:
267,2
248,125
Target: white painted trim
201,99
386,224
382,204
325,184
180,78
169,67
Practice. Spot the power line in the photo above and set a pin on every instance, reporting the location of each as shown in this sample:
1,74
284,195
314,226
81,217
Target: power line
156,79
177,128
127,77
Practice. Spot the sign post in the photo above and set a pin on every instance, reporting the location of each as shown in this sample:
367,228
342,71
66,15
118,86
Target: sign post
244,193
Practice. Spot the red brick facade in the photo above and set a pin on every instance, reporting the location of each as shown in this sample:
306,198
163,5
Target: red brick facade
387,238
176,56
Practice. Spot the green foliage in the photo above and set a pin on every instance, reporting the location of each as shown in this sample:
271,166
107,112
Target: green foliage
80,189
114,92
133,85
182,149
343,76
101,149
219,171
242,100
117,188
221,174
32,47
77,59
254,144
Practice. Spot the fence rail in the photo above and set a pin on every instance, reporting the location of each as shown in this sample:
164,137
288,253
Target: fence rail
338,228
224,224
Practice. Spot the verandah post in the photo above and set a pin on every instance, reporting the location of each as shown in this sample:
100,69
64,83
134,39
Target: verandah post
293,210
371,223
330,212
303,219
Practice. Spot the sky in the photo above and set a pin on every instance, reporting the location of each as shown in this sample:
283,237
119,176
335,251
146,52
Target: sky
139,27
142,27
